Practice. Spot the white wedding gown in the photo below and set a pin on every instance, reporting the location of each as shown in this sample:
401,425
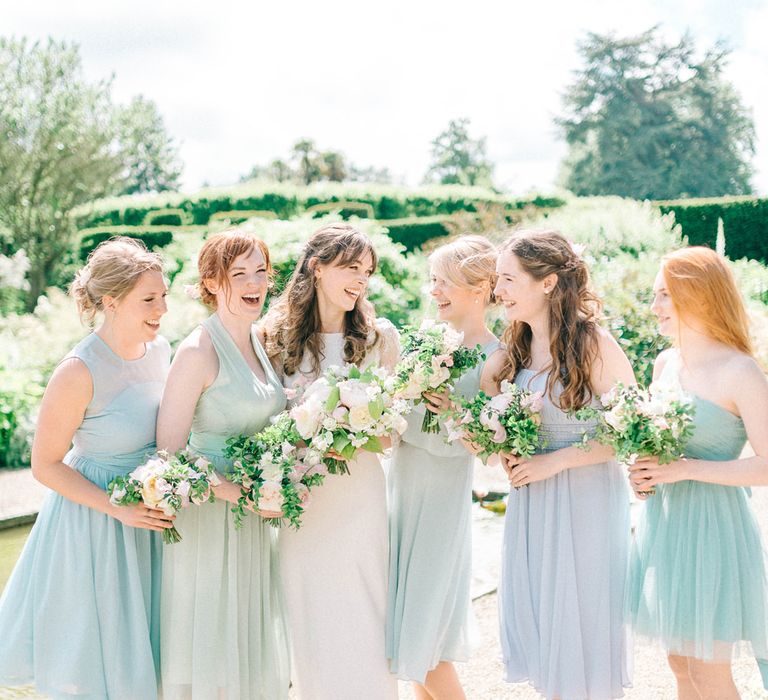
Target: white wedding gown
335,569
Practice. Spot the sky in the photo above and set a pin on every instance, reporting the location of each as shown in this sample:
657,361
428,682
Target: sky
239,82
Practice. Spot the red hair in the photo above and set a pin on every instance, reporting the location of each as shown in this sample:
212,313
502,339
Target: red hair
701,286
217,255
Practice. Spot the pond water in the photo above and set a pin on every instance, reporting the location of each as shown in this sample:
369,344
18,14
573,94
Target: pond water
11,542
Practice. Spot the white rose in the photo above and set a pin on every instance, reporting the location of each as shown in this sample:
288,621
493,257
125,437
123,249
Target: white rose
271,471
117,495
616,420
441,375
353,393
359,417
307,417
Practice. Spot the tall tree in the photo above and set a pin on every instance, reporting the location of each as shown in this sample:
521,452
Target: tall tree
649,119
149,155
308,162
56,151
459,159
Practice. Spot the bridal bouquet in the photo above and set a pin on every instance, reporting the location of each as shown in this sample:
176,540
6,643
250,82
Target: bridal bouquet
274,474
508,422
433,358
642,422
347,409
166,482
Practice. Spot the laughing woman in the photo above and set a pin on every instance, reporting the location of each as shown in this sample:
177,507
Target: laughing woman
334,569
80,615
223,634
430,495
698,576
566,534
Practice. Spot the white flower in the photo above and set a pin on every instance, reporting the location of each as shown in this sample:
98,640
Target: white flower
202,464
307,417
269,470
616,419
439,376
359,417
270,496
117,495
353,393
319,390
330,423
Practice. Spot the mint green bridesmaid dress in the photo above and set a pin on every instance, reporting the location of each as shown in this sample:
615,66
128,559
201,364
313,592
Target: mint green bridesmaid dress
223,632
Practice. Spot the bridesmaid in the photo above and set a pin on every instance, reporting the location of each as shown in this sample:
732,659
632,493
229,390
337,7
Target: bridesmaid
566,536
698,577
429,612
335,567
79,617
223,633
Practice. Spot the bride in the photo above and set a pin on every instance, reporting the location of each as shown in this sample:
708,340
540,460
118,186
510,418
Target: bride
334,569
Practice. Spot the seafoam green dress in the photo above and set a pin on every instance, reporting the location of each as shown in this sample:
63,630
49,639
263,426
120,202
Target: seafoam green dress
223,633
80,615
429,615
698,577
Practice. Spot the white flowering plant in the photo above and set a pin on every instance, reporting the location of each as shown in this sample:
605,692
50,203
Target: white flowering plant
348,409
433,359
168,482
275,473
638,422
508,422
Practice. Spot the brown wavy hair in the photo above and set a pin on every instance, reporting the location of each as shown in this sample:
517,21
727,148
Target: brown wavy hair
292,325
217,255
574,311
701,285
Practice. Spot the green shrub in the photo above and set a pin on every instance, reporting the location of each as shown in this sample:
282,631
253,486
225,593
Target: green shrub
745,222
413,232
287,200
344,208
166,217
153,237
241,215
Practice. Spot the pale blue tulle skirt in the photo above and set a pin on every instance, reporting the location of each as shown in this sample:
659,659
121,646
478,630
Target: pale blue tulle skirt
79,617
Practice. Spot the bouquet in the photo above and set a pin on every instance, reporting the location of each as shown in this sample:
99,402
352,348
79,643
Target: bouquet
348,409
506,423
433,358
167,482
642,422
274,474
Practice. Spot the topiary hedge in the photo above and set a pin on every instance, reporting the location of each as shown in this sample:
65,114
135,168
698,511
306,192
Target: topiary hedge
413,232
287,200
745,223
152,236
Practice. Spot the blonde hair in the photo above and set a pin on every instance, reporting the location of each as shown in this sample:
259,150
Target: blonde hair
113,269
468,262
701,285
217,255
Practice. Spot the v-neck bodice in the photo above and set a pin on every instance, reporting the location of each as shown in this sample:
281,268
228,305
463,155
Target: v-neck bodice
237,402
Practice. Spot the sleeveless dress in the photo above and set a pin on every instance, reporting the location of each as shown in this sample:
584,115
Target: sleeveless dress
564,570
697,572
223,633
80,615
429,612
334,568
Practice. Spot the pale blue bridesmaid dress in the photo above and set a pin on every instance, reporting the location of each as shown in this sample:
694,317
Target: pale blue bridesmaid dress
564,571
223,631
80,614
697,570
429,613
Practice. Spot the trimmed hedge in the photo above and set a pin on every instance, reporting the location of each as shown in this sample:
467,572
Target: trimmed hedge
413,232
745,223
152,236
288,200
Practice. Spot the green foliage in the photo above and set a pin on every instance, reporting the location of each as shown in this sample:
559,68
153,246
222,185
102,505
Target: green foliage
152,237
149,156
745,223
413,232
458,159
167,217
287,200
648,119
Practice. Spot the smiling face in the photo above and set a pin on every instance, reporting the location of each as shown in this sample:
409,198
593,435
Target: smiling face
139,311
341,286
664,309
523,297
246,288
453,301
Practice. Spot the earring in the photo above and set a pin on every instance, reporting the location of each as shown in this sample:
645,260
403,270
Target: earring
547,291
477,300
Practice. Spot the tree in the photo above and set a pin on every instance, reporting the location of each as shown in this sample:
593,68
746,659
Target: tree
333,166
308,163
646,118
459,159
56,151
149,155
